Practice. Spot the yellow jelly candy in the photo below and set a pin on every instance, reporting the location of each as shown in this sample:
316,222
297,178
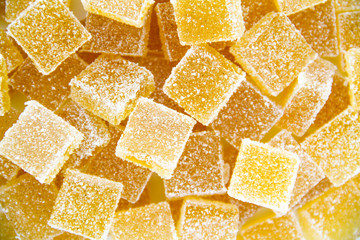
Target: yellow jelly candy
142,201
4,88
253,11
315,192
68,236
294,6
353,69
9,51
347,5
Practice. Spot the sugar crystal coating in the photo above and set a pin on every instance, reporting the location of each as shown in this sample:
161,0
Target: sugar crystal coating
273,52
203,82
264,175
142,201
86,205
151,222
294,6
168,131
353,69
111,86
49,33
7,231
40,142
4,88
68,236
347,5
9,51
253,11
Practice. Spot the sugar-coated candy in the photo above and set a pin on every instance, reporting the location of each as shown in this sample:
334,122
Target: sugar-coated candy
131,12
151,222
253,11
223,22
28,205
40,142
9,51
200,168
353,68
86,205
264,175
111,86
49,33
4,88
203,82
294,6
247,114
207,220
142,201
68,236
315,192
168,131
273,52
7,231
347,5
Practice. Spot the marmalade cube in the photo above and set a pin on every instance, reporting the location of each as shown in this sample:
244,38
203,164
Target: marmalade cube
86,205
49,33
203,82
9,51
40,142
4,88
110,87
253,11
264,176
353,68
293,6
273,52
155,137
150,222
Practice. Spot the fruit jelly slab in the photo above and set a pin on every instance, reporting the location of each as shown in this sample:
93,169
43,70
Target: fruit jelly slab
353,69
293,6
169,131
49,33
4,88
40,142
10,52
202,82
273,52
253,11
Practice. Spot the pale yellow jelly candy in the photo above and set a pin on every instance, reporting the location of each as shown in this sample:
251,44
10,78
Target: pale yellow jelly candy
200,168
208,21
111,86
50,90
9,51
318,26
273,52
7,231
113,37
335,147
312,90
86,205
264,175
293,6
347,5
105,164
207,220
353,68
335,215
28,205
131,12
49,33
40,142
153,222
4,88
309,173
247,114
253,11
270,227
143,200
315,192
68,236
203,82
168,131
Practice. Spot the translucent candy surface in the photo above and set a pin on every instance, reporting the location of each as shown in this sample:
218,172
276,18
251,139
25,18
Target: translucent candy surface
264,175
293,6
335,147
353,69
9,51
318,26
203,82
247,114
86,205
7,231
113,37
4,88
253,11
168,131
111,86
309,96
200,168
347,5
223,22
105,164
273,52
40,142
28,205
315,192
207,220
130,12
153,222
50,90
49,33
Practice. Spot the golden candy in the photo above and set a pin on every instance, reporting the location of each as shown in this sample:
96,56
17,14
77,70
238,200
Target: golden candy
353,69
4,88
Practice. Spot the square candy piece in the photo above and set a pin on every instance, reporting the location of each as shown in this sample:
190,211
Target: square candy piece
207,220
4,88
203,82
49,33
208,21
40,142
200,168
335,147
353,69
253,11
131,12
155,137
151,222
10,52
111,86
294,6
264,175
248,114
273,52
86,205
